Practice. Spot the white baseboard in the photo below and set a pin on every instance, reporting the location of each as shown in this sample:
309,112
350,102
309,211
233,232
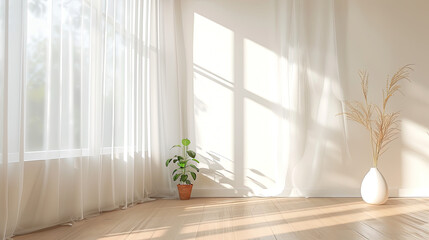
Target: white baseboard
220,192
213,192
409,192
393,192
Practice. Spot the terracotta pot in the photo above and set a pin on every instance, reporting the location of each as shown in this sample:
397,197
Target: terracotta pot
184,191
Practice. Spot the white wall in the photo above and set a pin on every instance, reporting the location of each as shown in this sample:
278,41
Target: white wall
379,36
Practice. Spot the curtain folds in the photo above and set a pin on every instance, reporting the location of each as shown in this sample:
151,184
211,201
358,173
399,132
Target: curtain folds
311,92
88,107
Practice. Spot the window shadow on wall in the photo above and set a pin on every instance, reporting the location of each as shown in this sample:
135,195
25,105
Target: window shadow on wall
240,118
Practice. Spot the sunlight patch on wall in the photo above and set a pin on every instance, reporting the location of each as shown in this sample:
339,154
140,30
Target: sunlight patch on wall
415,157
213,67
214,127
213,47
415,136
260,71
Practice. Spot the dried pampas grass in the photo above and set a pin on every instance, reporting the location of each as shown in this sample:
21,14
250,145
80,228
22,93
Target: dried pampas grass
383,126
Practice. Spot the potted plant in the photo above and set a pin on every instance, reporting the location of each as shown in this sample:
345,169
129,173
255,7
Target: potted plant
185,169
382,126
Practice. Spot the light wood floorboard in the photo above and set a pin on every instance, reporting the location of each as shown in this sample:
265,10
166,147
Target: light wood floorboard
251,219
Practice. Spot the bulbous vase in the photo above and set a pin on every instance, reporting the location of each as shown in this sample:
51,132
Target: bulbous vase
374,188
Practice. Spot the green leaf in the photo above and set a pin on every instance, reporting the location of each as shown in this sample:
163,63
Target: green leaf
168,162
191,153
188,182
180,158
182,164
175,146
175,160
195,160
193,166
186,142
176,176
194,176
183,178
175,170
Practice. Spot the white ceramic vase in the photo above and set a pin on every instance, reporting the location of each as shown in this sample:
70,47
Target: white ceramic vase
374,188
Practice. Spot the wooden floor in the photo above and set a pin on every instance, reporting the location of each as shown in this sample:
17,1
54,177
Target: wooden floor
253,218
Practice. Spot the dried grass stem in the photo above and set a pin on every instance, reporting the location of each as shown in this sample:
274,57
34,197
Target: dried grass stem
383,126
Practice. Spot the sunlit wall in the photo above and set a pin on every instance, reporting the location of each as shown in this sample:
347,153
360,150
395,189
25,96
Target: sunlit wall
239,120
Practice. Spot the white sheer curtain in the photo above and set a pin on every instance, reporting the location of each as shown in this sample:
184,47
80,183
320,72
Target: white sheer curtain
85,111
312,93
